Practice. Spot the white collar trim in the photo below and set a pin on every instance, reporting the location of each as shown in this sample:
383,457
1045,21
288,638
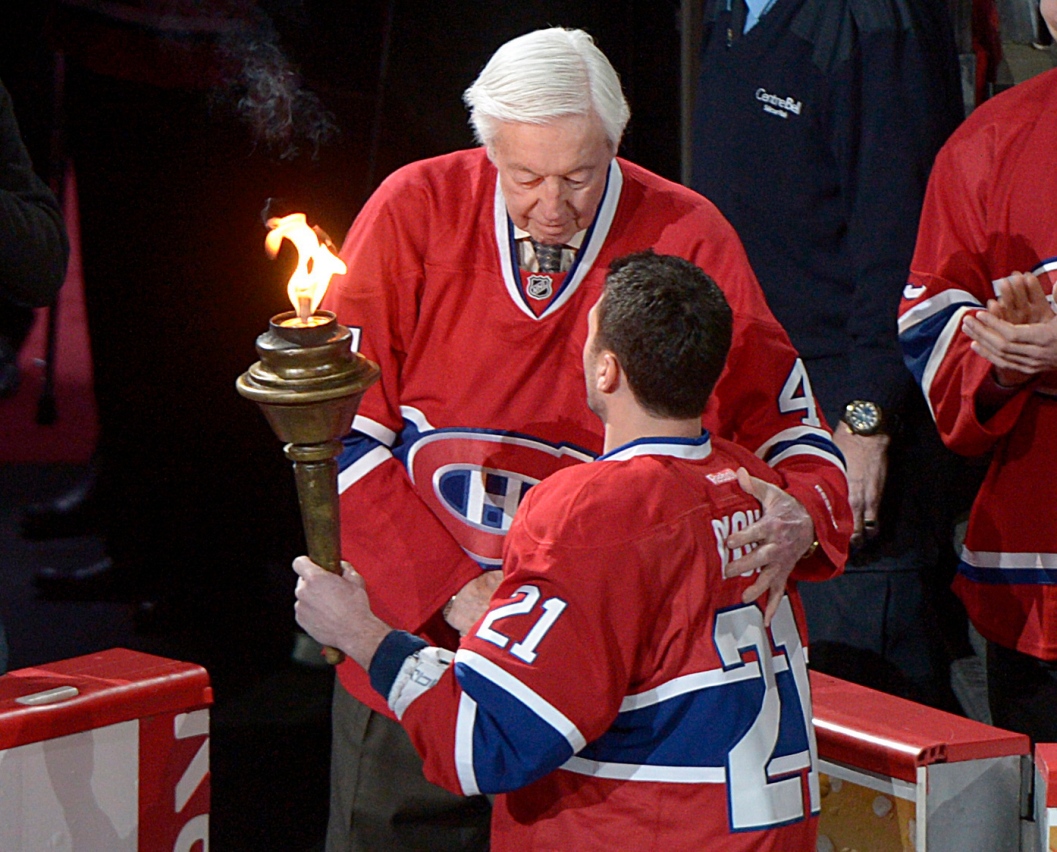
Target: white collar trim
593,240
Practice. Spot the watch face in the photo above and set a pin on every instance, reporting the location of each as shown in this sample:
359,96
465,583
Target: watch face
863,418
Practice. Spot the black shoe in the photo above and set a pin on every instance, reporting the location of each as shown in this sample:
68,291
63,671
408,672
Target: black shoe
97,581
75,512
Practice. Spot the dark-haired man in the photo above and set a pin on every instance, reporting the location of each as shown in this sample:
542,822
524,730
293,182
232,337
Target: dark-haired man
621,689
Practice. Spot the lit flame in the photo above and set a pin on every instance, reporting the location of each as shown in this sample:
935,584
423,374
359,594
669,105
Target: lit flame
316,263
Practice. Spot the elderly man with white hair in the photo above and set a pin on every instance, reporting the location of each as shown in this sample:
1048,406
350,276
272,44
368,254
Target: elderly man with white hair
470,277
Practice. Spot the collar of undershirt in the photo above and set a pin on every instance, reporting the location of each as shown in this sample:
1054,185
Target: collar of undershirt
692,449
574,242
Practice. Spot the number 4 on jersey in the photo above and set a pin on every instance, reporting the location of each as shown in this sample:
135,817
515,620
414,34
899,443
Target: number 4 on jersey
796,395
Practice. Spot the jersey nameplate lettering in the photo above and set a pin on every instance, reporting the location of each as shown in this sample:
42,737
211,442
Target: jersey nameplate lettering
728,524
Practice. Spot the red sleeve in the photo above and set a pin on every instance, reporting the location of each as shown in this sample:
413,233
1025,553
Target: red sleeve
764,402
411,563
950,277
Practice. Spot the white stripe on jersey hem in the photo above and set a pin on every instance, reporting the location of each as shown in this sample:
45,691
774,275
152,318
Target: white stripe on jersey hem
654,447
640,772
362,466
939,352
373,429
515,688
418,674
1010,561
940,302
464,725
698,681
586,256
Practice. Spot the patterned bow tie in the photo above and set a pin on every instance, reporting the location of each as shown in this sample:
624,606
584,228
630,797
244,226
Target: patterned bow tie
549,257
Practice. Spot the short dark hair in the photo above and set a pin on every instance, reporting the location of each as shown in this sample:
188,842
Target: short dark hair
670,327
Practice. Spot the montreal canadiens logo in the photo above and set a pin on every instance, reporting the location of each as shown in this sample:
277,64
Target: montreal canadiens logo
475,481
485,498
539,286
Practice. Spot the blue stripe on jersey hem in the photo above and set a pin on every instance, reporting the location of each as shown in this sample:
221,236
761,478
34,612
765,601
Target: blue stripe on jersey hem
1008,576
387,661
700,728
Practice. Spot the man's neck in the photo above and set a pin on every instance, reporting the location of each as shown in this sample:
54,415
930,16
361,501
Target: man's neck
638,423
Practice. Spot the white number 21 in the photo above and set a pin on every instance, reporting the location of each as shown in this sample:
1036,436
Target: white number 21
757,801
526,648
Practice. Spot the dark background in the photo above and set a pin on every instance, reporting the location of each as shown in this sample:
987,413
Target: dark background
392,75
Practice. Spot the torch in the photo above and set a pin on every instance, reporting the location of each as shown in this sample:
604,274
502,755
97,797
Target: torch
309,383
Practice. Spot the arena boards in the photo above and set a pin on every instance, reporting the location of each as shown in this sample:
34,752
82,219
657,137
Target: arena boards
106,751
895,775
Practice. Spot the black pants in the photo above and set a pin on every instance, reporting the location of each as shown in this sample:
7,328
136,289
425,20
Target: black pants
1022,692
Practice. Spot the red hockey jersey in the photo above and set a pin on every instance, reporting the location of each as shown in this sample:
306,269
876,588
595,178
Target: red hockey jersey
482,392
990,211
618,691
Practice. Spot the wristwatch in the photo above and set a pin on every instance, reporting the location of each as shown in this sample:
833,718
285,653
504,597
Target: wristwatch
863,417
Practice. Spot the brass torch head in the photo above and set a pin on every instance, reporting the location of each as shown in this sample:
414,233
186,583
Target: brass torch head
308,382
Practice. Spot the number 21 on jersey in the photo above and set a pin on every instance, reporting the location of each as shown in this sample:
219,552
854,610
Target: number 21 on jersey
763,776
525,649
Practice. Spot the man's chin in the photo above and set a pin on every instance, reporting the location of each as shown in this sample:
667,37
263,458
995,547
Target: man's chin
551,236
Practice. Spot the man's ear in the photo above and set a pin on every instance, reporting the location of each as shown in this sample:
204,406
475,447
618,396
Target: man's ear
607,372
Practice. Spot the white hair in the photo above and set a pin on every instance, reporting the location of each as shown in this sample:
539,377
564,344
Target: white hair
544,75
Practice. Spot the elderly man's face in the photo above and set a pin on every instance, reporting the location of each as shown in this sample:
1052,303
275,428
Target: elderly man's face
552,175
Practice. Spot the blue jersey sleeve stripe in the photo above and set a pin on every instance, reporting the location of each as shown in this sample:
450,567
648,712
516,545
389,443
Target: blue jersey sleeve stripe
919,341
509,745
815,444
360,455
794,433
373,429
470,661
701,727
999,568
361,467
944,302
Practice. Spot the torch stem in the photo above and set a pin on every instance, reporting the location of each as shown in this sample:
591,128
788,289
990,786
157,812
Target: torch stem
316,475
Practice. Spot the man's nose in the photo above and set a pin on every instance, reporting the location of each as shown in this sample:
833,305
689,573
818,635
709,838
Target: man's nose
553,196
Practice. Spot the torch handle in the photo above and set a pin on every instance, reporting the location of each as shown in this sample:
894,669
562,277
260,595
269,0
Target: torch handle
316,475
